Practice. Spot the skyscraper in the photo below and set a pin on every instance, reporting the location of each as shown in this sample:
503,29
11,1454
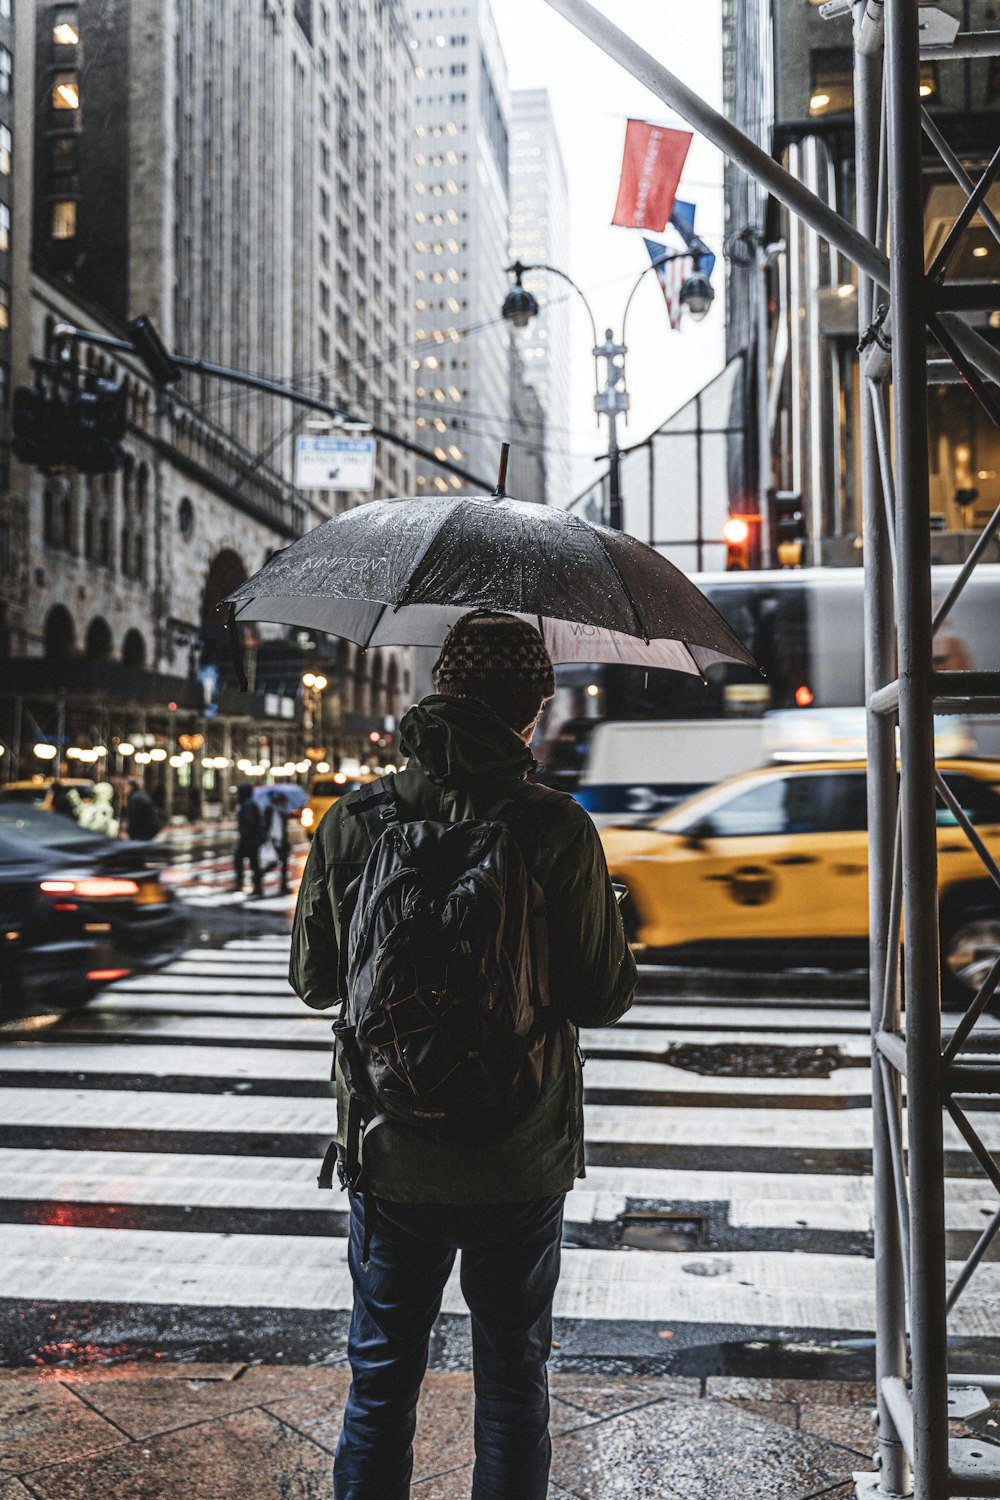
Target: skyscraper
459,204
539,232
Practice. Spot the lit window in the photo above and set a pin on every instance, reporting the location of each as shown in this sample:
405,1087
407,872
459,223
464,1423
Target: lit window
6,67
64,219
832,90
66,26
5,150
4,306
4,227
65,91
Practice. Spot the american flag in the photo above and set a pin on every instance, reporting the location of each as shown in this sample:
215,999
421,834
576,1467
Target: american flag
671,274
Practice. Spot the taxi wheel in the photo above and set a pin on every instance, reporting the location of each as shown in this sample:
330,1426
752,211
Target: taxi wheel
970,945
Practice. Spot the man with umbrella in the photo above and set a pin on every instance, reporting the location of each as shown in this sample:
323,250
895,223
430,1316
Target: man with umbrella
499,1200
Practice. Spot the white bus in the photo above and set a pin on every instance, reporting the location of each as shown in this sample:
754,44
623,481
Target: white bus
804,626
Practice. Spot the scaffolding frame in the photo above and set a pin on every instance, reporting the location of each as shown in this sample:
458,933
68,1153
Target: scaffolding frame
901,304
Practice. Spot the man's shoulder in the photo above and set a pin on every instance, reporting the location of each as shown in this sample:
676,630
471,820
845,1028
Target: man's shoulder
557,811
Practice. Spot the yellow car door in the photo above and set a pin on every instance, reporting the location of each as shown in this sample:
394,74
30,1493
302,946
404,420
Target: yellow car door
783,855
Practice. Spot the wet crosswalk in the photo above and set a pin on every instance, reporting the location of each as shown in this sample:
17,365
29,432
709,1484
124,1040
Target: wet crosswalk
208,880
159,1149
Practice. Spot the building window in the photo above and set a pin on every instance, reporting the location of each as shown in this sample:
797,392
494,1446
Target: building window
832,81
5,10
4,228
324,297
64,153
65,88
64,219
6,66
4,306
5,150
66,26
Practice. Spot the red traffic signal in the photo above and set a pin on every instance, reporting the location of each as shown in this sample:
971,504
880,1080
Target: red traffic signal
736,533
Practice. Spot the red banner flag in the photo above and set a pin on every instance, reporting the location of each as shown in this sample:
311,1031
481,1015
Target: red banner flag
651,170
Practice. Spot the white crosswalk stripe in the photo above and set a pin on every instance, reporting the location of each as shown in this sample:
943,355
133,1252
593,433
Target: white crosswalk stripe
202,1093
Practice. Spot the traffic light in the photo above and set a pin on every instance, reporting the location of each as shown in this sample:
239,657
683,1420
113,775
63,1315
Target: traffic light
39,422
789,529
84,431
98,420
736,535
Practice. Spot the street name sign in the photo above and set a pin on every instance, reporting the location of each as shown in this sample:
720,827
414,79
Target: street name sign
335,463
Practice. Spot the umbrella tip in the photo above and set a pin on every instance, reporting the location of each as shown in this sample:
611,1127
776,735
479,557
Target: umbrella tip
500,493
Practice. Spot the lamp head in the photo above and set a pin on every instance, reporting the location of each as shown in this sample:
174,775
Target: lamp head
519,306
697,295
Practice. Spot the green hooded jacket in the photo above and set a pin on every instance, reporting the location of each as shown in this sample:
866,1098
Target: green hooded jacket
462,760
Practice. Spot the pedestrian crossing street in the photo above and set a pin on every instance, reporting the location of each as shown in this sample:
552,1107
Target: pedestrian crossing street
160,1148
207,880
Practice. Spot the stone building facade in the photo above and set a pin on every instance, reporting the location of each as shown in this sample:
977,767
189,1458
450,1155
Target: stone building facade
238,173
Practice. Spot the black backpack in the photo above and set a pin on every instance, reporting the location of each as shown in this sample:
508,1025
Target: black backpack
443,977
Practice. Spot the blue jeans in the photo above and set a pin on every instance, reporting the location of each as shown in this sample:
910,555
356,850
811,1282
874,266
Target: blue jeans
510,1267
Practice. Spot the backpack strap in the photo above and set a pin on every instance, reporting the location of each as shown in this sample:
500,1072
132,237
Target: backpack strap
378,809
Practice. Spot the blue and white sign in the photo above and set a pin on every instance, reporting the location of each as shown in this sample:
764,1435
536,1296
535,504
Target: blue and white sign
335,463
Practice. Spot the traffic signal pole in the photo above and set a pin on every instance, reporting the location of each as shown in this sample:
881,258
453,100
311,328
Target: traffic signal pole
917,1290
161,366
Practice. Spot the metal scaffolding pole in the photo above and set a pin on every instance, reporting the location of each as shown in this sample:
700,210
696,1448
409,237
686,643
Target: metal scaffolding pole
908,303
940,1072
880,662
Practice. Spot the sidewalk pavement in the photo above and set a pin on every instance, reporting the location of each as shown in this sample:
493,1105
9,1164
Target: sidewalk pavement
260,1432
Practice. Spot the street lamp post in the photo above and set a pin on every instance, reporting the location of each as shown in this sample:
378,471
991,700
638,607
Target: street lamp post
610,399
314,684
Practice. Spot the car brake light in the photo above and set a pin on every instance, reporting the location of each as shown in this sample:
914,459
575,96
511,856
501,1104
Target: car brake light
307,817
106,975
91,887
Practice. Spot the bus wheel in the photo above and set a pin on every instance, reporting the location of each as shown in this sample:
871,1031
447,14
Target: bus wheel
970,945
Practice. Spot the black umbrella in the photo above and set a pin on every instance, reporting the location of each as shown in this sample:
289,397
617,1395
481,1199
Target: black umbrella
399,572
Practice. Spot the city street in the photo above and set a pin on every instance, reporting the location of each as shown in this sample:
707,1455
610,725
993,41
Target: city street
159,1148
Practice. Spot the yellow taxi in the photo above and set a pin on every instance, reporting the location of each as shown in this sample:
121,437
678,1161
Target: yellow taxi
324,792
39,791
773,864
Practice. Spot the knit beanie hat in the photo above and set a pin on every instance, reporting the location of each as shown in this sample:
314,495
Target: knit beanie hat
500,661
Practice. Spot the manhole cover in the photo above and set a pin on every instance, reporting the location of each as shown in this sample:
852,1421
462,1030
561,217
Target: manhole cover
737,1061
662,1231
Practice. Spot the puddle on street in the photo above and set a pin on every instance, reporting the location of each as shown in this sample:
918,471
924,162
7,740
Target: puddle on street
721,1060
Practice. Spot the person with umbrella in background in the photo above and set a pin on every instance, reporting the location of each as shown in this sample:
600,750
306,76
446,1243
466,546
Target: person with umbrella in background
249,837
420,1192
276,833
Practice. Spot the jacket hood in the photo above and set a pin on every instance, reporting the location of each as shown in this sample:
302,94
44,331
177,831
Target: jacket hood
460,740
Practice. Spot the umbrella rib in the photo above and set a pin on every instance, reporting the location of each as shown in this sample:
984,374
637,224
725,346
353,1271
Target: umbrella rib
694,659
643,632
378,621
403,600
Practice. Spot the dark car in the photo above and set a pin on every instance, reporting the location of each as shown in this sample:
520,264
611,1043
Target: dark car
115,886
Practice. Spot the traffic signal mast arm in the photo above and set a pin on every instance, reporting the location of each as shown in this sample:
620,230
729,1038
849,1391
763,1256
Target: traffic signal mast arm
165,368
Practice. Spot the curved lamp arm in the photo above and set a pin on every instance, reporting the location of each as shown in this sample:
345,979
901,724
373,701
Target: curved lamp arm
518,269
654,265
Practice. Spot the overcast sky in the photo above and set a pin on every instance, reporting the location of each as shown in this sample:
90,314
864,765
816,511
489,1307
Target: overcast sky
592,97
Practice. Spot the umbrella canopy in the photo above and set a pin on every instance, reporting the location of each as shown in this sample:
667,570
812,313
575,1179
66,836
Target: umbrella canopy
399,572
296,796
